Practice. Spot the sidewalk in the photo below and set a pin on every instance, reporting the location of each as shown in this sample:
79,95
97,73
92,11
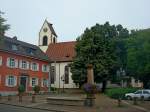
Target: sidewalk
103,104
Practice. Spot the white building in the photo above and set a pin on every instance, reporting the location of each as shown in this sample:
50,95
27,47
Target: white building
61,55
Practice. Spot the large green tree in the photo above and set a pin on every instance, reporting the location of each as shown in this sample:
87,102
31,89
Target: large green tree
96,46
138,56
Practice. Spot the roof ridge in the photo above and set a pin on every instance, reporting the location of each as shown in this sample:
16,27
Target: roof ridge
64,42
19,40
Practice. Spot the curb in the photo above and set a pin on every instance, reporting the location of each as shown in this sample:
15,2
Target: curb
137,107
34,107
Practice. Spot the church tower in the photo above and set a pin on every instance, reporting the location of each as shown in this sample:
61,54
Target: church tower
47,36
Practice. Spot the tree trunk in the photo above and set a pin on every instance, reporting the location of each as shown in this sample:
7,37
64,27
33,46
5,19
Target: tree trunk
145,84
104,84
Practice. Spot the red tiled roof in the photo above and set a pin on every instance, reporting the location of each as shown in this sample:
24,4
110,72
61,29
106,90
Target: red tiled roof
63,51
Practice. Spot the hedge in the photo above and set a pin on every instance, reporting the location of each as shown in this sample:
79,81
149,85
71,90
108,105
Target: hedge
116,93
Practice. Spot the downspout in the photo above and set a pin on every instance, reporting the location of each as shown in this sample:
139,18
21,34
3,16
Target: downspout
59,76
49,76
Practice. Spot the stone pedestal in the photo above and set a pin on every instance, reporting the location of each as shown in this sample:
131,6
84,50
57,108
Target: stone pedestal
90,99
89,102
90,76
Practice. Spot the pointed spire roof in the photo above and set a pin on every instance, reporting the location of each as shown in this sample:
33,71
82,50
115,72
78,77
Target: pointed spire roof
51,28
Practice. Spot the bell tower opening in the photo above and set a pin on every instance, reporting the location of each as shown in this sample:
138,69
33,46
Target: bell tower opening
45,39
47,36
54,41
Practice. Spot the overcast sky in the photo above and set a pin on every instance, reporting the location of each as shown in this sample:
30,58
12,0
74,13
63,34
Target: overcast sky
71,17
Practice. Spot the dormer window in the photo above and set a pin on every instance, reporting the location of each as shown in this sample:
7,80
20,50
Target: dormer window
30,51
14,47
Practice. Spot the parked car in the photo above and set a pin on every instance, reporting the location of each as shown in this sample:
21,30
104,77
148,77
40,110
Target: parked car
145,94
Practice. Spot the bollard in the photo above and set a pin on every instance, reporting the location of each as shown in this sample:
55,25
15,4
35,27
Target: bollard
20,98
119,102
142,99
9,98
135,100
0,97
33,99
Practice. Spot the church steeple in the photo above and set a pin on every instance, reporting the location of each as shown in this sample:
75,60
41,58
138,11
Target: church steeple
47,35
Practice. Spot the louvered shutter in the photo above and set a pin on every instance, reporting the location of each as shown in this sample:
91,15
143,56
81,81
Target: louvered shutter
20,64
30,81
37,81
42,80
16,63
31,65
0,60
48,68
27,65
15,80
8,62
6,80
37,67
42,68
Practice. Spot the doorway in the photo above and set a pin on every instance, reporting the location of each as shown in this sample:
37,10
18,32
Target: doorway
23,81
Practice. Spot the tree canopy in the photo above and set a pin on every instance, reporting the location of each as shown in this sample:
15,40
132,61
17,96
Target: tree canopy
96,46
138,56
3,26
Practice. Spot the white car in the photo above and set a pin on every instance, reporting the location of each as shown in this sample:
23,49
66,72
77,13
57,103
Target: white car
145,94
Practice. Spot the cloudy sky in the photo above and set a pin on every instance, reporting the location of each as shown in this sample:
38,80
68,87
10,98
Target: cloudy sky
71,17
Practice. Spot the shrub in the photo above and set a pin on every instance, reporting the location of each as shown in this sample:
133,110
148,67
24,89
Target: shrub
52,88
36,89
21,89
116,93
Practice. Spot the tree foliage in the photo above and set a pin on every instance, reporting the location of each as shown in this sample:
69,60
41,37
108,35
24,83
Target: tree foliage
3,26
96,46
138,56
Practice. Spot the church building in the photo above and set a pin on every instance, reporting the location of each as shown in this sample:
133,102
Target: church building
60,54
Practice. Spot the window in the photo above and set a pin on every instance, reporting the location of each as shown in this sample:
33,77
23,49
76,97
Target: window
11,81
66,74
146,92
34,66
138,92
45,68
45,41
52,73
45,83
24,64
34,82
12,63
0,60
14,47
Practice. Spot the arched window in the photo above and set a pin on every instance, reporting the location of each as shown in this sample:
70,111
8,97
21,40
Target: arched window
45,41
54,40
66,74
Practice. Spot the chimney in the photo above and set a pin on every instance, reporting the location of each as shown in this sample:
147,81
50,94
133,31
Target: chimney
15,37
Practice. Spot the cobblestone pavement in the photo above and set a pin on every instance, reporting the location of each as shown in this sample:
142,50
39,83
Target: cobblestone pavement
102,104
10,108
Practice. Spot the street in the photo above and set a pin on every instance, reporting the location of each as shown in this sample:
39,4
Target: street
9,108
